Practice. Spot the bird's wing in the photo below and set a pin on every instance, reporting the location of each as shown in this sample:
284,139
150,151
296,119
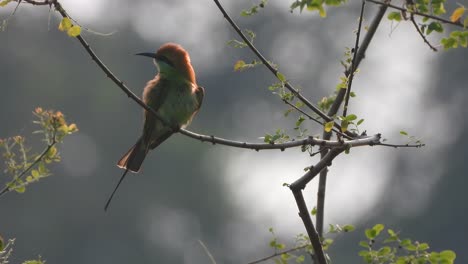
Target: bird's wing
200,93
154,95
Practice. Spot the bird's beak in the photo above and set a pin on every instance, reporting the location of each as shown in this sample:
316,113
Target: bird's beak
147,54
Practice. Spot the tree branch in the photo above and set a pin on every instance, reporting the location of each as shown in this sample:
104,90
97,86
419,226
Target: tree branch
334,109
443,20
365,141
319,254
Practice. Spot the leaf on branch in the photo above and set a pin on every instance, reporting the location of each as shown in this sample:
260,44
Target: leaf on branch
329,126
457,14
394,16
65,24
74,31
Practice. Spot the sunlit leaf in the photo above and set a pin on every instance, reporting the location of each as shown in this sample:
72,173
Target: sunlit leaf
74,31
457,14
65,24
328,126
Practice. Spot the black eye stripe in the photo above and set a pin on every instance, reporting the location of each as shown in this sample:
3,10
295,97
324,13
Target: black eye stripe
165,60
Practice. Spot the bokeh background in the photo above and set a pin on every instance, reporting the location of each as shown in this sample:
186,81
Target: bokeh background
225,197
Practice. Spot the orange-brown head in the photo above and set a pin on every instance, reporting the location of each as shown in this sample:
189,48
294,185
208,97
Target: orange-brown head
171,56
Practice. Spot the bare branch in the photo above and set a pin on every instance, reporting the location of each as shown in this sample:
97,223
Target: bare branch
353,63
319,254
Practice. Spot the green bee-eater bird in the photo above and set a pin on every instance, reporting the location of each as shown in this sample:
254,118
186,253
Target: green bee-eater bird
174,95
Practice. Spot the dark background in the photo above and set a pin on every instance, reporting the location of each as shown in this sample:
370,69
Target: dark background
227,198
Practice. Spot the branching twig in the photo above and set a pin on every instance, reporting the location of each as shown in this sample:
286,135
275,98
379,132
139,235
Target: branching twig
278,254
443,20
38,159
269,66
420,33
314,119
353,62
334,109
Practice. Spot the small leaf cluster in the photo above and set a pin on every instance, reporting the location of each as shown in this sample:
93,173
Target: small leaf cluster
253,9
286,256
278,137
6,251
71,29
399,251
20,162
411,139
315,5
455,39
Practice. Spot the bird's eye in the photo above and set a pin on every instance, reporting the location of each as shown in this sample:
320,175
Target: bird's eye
165,60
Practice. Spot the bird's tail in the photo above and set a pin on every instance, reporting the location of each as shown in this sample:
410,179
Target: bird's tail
134,157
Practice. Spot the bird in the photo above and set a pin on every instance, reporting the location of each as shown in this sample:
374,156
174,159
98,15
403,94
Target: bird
174,94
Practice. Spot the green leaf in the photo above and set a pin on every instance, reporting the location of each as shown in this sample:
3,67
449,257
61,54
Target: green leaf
378,228
35,174
4,3
394,16
351,117
329,126
448,255
405,242
313,211
300,259
360,122
344,126
404,133
434,26
370,233
281,77
364,244
349,228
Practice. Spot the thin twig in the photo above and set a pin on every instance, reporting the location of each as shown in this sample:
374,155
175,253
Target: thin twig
353,62
38,159
334,109
443,20
420,33
314,119
212,259
278,254
401,145
269,66
365,141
